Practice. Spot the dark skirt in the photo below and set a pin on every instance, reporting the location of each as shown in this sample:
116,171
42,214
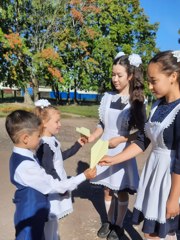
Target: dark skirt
152,226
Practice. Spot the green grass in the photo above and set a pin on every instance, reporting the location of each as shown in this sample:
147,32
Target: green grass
86,111
5,109
66,110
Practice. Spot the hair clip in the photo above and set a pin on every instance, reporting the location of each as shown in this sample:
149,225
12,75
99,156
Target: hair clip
135,60
42,103
176,54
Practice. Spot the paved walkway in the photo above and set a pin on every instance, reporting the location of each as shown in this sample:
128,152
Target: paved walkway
84,222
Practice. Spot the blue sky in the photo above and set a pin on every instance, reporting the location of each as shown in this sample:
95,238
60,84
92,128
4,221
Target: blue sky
167,13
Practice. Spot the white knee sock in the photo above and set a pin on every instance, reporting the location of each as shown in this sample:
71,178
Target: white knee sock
171,236
110,209
122,209
154,238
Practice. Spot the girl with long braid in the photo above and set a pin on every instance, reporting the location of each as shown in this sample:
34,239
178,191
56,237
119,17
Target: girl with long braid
120,111
158,197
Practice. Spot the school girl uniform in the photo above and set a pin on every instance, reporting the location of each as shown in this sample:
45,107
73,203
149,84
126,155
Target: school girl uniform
32,186
162,130
51,159
114,113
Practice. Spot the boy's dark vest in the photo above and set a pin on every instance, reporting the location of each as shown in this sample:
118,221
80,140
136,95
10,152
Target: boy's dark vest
29,202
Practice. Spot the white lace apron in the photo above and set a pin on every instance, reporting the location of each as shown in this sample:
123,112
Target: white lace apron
123,175
155,181
60,205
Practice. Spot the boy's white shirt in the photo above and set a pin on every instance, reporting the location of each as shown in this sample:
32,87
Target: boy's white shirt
31,174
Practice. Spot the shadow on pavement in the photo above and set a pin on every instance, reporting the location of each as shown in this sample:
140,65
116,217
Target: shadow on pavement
95,194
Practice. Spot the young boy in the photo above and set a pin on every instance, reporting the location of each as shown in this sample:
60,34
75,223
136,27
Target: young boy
31,181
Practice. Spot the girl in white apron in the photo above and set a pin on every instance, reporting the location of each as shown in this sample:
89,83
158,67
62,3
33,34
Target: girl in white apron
157,203
51,159
118,115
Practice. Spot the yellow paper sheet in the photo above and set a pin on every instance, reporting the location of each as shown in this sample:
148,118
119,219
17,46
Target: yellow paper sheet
98,150
84,131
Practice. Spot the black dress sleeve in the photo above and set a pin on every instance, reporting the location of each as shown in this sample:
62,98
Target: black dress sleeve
177,144
100,124
45,156
142,141
71,151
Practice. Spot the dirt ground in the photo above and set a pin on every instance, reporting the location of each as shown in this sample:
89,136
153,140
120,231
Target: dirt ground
84,222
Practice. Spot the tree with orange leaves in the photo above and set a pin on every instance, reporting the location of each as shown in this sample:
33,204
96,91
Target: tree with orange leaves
72,39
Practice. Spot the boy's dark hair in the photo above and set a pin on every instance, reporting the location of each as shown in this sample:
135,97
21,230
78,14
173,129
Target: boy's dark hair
20,121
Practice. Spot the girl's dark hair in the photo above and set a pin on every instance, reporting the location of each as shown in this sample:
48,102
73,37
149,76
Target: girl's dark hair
136,91
20,121
168,63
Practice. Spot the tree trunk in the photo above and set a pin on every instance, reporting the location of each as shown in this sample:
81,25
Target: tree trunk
35,89
57,94
27,97
75,92
68,97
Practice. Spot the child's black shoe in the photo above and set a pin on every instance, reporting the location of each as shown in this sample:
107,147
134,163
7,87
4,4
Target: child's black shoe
104,230
116,233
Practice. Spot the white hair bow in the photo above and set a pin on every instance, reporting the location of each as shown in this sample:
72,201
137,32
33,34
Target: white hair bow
42,103
176,54
120,54
135,60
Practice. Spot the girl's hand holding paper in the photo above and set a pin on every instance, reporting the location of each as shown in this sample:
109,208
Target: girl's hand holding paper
106,161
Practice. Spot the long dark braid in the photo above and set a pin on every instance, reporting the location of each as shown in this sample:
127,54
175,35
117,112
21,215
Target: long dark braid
137,119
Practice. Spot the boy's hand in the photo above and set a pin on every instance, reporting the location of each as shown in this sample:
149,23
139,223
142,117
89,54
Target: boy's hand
82,140
90,173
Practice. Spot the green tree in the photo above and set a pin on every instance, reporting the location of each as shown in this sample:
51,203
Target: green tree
15,60
76,44
70,44
95,31
126,28
37,24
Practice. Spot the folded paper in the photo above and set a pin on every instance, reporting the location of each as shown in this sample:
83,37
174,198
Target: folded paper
99,149
84,131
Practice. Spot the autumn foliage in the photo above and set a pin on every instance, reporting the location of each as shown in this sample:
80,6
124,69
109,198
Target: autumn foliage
55,73
14,40
77,15
49,53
